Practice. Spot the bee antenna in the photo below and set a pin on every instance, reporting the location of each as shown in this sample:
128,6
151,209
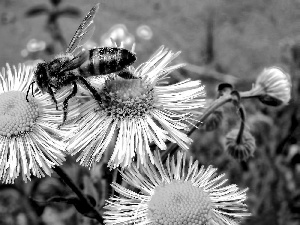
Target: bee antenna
30,86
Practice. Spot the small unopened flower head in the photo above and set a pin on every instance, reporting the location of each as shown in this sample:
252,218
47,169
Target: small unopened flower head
214,120
135,112
273,86
29,139
242,150
170,194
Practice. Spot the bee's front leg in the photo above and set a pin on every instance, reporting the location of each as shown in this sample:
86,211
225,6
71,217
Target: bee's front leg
50,91
66,102
30,87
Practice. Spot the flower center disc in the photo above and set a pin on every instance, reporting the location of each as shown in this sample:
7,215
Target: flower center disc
17,115
127,98
179,203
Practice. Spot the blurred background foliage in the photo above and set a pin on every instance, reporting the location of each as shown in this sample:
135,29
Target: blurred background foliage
222,41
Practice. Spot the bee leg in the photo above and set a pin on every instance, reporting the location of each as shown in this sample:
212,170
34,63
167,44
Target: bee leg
126,74
30,86
52,96
91,89
27,93
65,103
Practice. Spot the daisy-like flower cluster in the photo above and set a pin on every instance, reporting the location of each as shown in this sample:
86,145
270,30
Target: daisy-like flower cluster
172,195
136,112
130,115
30,142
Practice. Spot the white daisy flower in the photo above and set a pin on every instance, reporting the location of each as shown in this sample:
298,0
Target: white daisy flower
29,139
137,112
272,87
277,86
175,193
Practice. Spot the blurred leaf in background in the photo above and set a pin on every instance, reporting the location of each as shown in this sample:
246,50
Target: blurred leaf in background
53,15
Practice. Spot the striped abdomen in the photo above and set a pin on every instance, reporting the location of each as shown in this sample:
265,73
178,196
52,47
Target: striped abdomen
106,60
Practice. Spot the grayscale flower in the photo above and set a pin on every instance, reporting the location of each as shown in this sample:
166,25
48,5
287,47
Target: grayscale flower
273,86
136,112
172,194
30,142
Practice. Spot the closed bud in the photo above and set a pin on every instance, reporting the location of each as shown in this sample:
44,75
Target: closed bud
243,150
214,120
273,87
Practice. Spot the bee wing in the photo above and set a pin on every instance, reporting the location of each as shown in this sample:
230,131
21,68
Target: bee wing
77,61
86,27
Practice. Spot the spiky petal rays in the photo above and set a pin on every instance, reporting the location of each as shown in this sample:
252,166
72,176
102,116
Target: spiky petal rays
29,139
137,112
172,195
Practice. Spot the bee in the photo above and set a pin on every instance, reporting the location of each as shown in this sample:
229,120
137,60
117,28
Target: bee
70,68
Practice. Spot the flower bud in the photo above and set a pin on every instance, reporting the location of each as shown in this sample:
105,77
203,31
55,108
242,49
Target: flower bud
214,120
243,150
273,86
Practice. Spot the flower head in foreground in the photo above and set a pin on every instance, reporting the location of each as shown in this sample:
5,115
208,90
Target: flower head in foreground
29,139
273,86
172,195
136,112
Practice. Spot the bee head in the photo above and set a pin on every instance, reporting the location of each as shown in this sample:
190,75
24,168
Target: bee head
41,76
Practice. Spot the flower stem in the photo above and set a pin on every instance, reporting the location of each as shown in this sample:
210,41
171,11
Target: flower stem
241,131
250,94
67,180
